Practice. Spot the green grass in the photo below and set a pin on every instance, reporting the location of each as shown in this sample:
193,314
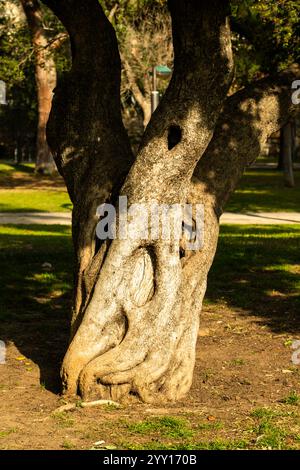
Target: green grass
63,419
270,429
33,200
257,268
176,433
292,399
9,167
264,413
259,190
29,192
264,190
8,432
237,362
23,250
260,264
166,427
67,445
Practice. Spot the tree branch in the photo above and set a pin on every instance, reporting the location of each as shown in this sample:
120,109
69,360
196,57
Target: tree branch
250,116
57,41
137,93
113,12
202,67
86,108
85,129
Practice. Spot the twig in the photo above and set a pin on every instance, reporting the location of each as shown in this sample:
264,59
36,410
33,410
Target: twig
112,12
86,404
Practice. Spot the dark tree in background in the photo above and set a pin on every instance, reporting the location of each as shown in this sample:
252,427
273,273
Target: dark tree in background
33,49
137,302
45,76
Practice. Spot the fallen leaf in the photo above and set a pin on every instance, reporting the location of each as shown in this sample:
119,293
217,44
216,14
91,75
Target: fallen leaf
211,418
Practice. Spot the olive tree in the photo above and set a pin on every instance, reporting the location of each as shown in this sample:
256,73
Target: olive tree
137,301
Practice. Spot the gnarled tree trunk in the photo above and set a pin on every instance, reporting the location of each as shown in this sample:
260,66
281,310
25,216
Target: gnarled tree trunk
137,302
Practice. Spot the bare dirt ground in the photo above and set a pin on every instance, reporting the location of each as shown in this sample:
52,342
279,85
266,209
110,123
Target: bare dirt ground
244,395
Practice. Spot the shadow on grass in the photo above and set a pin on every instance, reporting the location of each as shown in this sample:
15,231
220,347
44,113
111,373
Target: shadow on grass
36,298
9,166
264,190
257,270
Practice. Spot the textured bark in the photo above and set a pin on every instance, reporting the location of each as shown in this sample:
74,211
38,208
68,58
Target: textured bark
45,77
86,134
137,303
249,117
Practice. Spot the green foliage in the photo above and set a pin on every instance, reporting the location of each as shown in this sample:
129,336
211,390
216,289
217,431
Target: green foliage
18,120
266,38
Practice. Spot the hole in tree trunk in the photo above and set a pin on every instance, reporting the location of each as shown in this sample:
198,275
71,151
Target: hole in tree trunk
174,136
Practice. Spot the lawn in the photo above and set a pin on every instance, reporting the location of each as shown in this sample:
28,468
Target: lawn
258,269
33,200
23,252
21,190
264,190
24,191
246,391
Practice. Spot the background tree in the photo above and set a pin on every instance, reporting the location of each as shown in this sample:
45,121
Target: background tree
45,76
266,40
33,49
18,118
143,30
137,302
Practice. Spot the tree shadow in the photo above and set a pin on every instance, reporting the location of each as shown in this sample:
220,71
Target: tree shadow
256,270
35,291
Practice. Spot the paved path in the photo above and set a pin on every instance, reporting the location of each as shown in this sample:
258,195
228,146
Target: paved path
64,218
44,218
263,218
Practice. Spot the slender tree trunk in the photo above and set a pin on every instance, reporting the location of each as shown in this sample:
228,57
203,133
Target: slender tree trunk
287,155
287,151
143,101
137,301
281,147
45,76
